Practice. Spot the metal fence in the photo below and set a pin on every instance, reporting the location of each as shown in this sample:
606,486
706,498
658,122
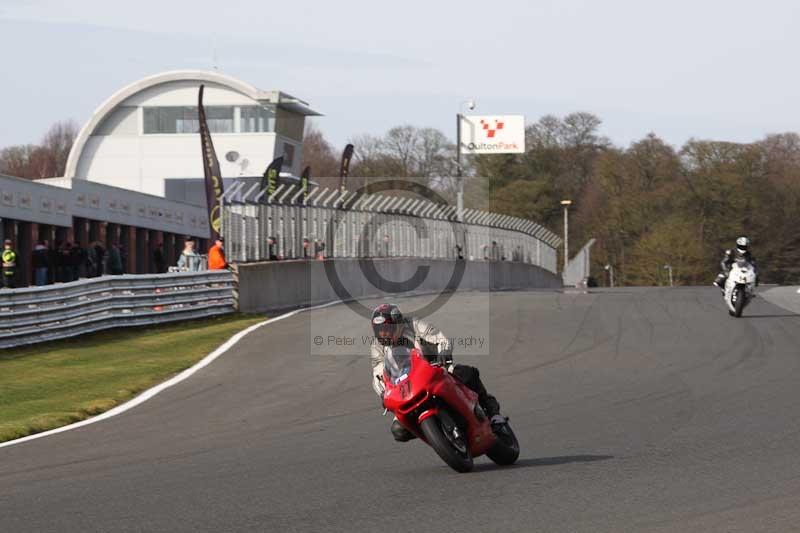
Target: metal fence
579,267
345,224
40,314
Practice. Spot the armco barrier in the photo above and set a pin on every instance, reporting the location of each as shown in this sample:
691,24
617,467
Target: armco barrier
40,314
278,285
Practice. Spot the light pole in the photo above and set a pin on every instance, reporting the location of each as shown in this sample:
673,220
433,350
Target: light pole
610,270
669,268
459,175
566,204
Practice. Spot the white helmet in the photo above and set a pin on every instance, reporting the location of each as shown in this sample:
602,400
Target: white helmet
742,244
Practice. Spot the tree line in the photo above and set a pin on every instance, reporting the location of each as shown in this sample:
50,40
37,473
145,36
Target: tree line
46,159
648,204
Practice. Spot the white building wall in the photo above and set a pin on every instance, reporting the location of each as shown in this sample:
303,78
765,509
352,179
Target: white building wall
142,163
119,154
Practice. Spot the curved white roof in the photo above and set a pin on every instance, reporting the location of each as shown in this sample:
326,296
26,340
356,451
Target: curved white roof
123,94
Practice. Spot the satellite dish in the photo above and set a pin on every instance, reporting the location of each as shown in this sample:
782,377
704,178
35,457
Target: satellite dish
232,156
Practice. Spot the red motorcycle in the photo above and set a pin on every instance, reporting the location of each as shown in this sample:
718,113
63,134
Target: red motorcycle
442,411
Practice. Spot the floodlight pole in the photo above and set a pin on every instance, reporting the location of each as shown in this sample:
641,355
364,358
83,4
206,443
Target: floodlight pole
566,204
610,270
459,176
669,269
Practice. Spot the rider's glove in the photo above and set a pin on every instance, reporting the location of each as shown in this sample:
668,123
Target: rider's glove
380,386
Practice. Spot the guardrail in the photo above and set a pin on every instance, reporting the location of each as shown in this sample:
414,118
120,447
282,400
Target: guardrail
353,225
39,314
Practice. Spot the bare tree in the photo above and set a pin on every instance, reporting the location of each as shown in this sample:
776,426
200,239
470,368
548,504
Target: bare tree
423,154
15,160
45,160
320,155
57,143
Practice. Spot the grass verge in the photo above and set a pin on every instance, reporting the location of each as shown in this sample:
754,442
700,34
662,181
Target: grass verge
52,384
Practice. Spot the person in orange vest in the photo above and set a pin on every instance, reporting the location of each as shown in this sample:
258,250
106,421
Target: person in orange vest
216,255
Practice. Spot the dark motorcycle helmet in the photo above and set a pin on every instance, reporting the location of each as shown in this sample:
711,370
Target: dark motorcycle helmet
387,324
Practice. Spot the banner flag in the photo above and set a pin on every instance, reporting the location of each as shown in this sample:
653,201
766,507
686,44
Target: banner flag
304,177
213,176
344,170
270,179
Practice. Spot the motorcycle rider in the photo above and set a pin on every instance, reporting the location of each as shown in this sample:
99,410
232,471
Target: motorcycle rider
741,251
391,328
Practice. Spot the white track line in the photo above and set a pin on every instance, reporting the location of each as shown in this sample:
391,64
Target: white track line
174,380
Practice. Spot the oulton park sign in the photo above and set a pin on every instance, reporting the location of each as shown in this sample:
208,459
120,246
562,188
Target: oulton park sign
495,134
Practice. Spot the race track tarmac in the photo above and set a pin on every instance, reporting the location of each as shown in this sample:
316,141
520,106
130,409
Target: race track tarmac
636,410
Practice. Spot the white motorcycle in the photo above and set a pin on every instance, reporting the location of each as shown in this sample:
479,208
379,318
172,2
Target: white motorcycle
740,287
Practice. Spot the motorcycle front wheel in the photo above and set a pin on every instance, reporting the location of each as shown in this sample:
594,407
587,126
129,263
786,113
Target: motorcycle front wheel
740,298
447,441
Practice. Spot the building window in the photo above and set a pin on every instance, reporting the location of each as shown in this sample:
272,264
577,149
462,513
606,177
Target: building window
257,119
185,119
288,154
220,119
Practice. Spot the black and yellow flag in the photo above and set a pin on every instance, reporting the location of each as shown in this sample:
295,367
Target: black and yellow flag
269,181
304,177
344,170
213,176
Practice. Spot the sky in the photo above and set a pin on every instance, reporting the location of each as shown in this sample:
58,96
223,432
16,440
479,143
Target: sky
707,69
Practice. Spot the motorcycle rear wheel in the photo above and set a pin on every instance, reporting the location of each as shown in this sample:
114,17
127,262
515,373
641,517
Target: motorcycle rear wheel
506,450
459,460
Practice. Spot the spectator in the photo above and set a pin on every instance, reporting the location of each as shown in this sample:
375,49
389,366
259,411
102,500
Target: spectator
216,255
459,253
385,246
52,261
306,248
94,260
63,263
189,259
319,250
123,256
41,264
158,258
272,248
59,263
494,252
74,260
115,267
102,257
9,266
81,259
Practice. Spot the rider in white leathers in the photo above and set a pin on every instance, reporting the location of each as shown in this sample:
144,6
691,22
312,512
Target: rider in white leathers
391,329
742,251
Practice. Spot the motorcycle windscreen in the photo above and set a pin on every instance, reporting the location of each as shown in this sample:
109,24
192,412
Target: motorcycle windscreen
397,363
